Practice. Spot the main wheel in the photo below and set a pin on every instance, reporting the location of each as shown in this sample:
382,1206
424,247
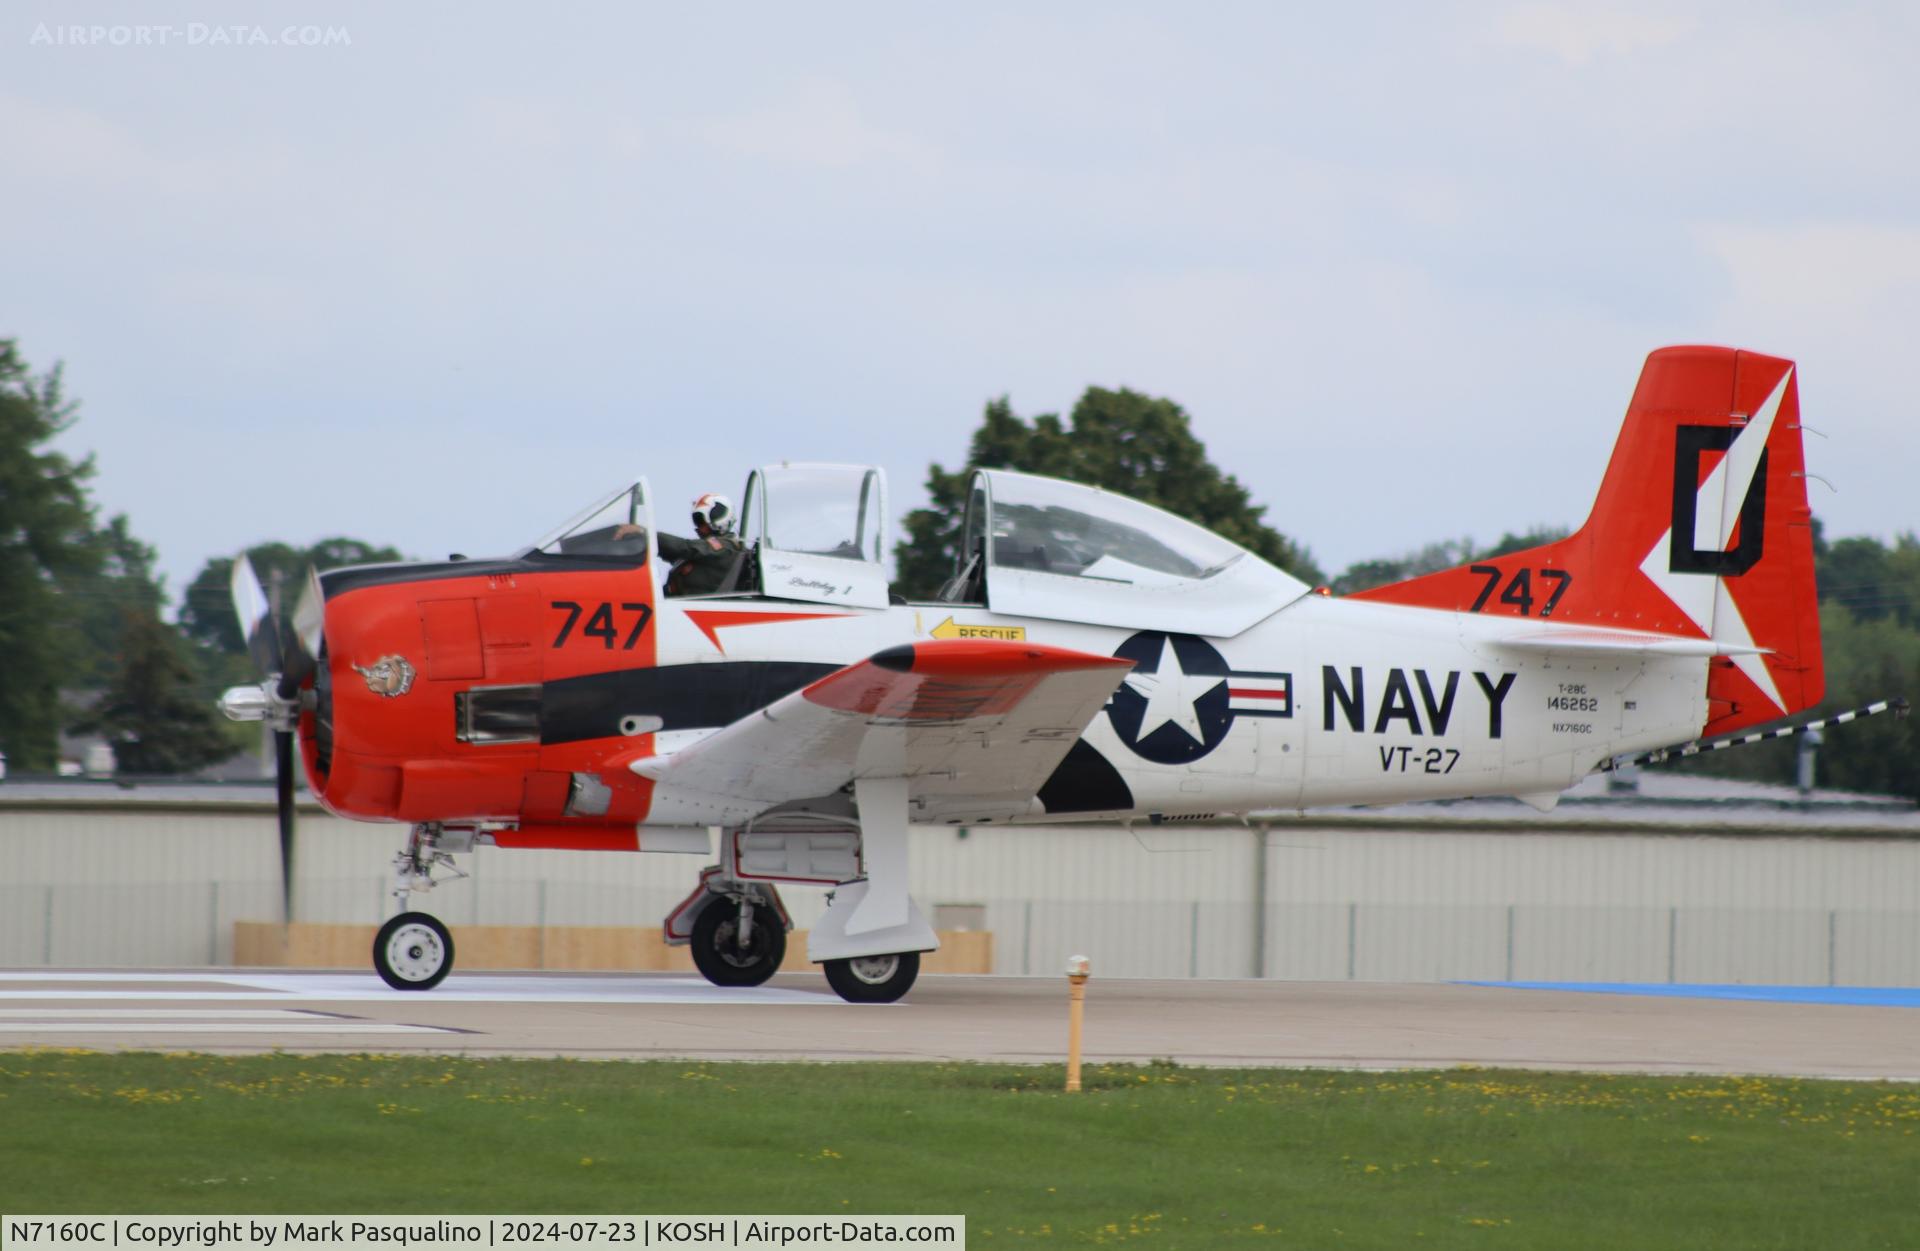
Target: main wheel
413,952
724,957
873,979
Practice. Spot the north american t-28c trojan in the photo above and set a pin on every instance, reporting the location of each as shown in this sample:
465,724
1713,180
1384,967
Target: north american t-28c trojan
1092,658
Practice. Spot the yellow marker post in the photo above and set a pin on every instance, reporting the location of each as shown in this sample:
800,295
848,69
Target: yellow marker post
1078,968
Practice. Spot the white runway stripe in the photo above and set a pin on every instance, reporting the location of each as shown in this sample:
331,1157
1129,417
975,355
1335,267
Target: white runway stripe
70,1019
216,1027
211,1014
264,987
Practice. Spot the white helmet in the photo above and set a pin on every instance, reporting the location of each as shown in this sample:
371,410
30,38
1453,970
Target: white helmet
714,512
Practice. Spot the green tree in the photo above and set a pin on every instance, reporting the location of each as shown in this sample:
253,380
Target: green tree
1873,580
1869,660
206,613
46,537
1509,543
1446,554
153,711
1384,571
1122,440
122,583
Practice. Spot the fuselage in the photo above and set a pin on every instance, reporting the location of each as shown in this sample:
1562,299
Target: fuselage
526,686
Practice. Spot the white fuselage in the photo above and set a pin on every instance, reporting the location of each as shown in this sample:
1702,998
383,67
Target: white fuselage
1324,702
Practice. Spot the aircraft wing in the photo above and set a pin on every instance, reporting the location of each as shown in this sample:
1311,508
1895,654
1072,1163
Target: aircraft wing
972,726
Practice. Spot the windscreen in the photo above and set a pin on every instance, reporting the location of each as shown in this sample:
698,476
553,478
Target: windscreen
615,526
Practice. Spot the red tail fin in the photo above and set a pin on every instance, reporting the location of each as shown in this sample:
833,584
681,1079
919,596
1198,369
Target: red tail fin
1701,529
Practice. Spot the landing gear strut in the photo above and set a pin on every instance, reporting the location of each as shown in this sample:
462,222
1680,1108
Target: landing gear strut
414,951
870,939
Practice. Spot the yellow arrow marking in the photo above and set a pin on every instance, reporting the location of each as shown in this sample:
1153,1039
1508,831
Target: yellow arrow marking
948,630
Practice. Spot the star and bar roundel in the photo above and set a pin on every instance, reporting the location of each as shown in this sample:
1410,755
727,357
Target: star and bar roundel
1181,698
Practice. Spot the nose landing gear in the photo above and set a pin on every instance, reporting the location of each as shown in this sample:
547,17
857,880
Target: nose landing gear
414,951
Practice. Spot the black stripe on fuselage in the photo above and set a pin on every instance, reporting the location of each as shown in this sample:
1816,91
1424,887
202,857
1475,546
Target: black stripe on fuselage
683,697
335,582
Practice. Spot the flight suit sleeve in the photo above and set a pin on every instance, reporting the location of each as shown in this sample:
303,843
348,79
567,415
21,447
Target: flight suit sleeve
675,549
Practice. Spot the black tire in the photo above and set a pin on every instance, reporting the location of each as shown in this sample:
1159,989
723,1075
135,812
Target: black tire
413,952
873,979
718,956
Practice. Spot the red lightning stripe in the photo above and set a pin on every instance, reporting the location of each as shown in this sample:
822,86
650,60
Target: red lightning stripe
712,622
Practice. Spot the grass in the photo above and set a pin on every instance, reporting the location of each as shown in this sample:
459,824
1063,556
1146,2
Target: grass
1155,1155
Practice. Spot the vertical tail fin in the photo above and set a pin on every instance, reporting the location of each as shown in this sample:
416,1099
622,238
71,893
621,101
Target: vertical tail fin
1701,530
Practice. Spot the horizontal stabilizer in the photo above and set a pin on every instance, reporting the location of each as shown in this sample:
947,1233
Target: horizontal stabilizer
1621,643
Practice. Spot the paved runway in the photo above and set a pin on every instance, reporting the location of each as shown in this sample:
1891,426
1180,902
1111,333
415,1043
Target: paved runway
1015,1020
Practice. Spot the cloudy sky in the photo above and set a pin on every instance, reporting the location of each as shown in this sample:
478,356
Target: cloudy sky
433,274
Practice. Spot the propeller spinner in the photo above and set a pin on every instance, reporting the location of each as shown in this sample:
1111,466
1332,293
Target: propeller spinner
285,650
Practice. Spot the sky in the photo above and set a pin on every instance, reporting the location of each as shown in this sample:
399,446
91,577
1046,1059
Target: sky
434,275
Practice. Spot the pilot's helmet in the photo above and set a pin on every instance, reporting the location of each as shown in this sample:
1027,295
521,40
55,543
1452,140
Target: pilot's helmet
714,512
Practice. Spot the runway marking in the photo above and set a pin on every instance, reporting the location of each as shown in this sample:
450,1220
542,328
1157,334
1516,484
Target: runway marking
216,1027
367,988
54,1019
171,1014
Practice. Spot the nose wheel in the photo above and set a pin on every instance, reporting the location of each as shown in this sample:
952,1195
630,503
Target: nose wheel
413,952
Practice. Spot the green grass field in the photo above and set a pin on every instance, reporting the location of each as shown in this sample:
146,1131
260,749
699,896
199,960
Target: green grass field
1155,1155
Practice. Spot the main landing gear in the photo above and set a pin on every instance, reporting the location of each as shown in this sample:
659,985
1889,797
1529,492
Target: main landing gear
869,940
737,934
414,951
738,940
873,979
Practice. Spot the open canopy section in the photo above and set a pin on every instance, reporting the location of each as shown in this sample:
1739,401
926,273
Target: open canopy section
1068,552
820,532
616,526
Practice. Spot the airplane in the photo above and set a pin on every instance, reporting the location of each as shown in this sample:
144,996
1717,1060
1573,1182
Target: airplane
1092,658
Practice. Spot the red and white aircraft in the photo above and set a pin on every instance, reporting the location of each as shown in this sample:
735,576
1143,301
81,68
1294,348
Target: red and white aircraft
1093,658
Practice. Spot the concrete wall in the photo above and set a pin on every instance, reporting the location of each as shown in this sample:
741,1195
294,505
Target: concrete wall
1307,899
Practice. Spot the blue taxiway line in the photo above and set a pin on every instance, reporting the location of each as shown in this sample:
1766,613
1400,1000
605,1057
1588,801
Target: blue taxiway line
1858,996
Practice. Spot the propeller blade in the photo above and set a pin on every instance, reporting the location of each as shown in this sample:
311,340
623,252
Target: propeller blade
309,613
255,615
300,635
283,788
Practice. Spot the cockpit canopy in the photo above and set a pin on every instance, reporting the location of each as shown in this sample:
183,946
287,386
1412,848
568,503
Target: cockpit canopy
1030,547
1040,547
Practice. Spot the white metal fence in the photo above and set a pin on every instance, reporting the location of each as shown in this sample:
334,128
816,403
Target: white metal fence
1302,901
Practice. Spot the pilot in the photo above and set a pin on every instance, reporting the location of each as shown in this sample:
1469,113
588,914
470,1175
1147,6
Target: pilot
701,564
